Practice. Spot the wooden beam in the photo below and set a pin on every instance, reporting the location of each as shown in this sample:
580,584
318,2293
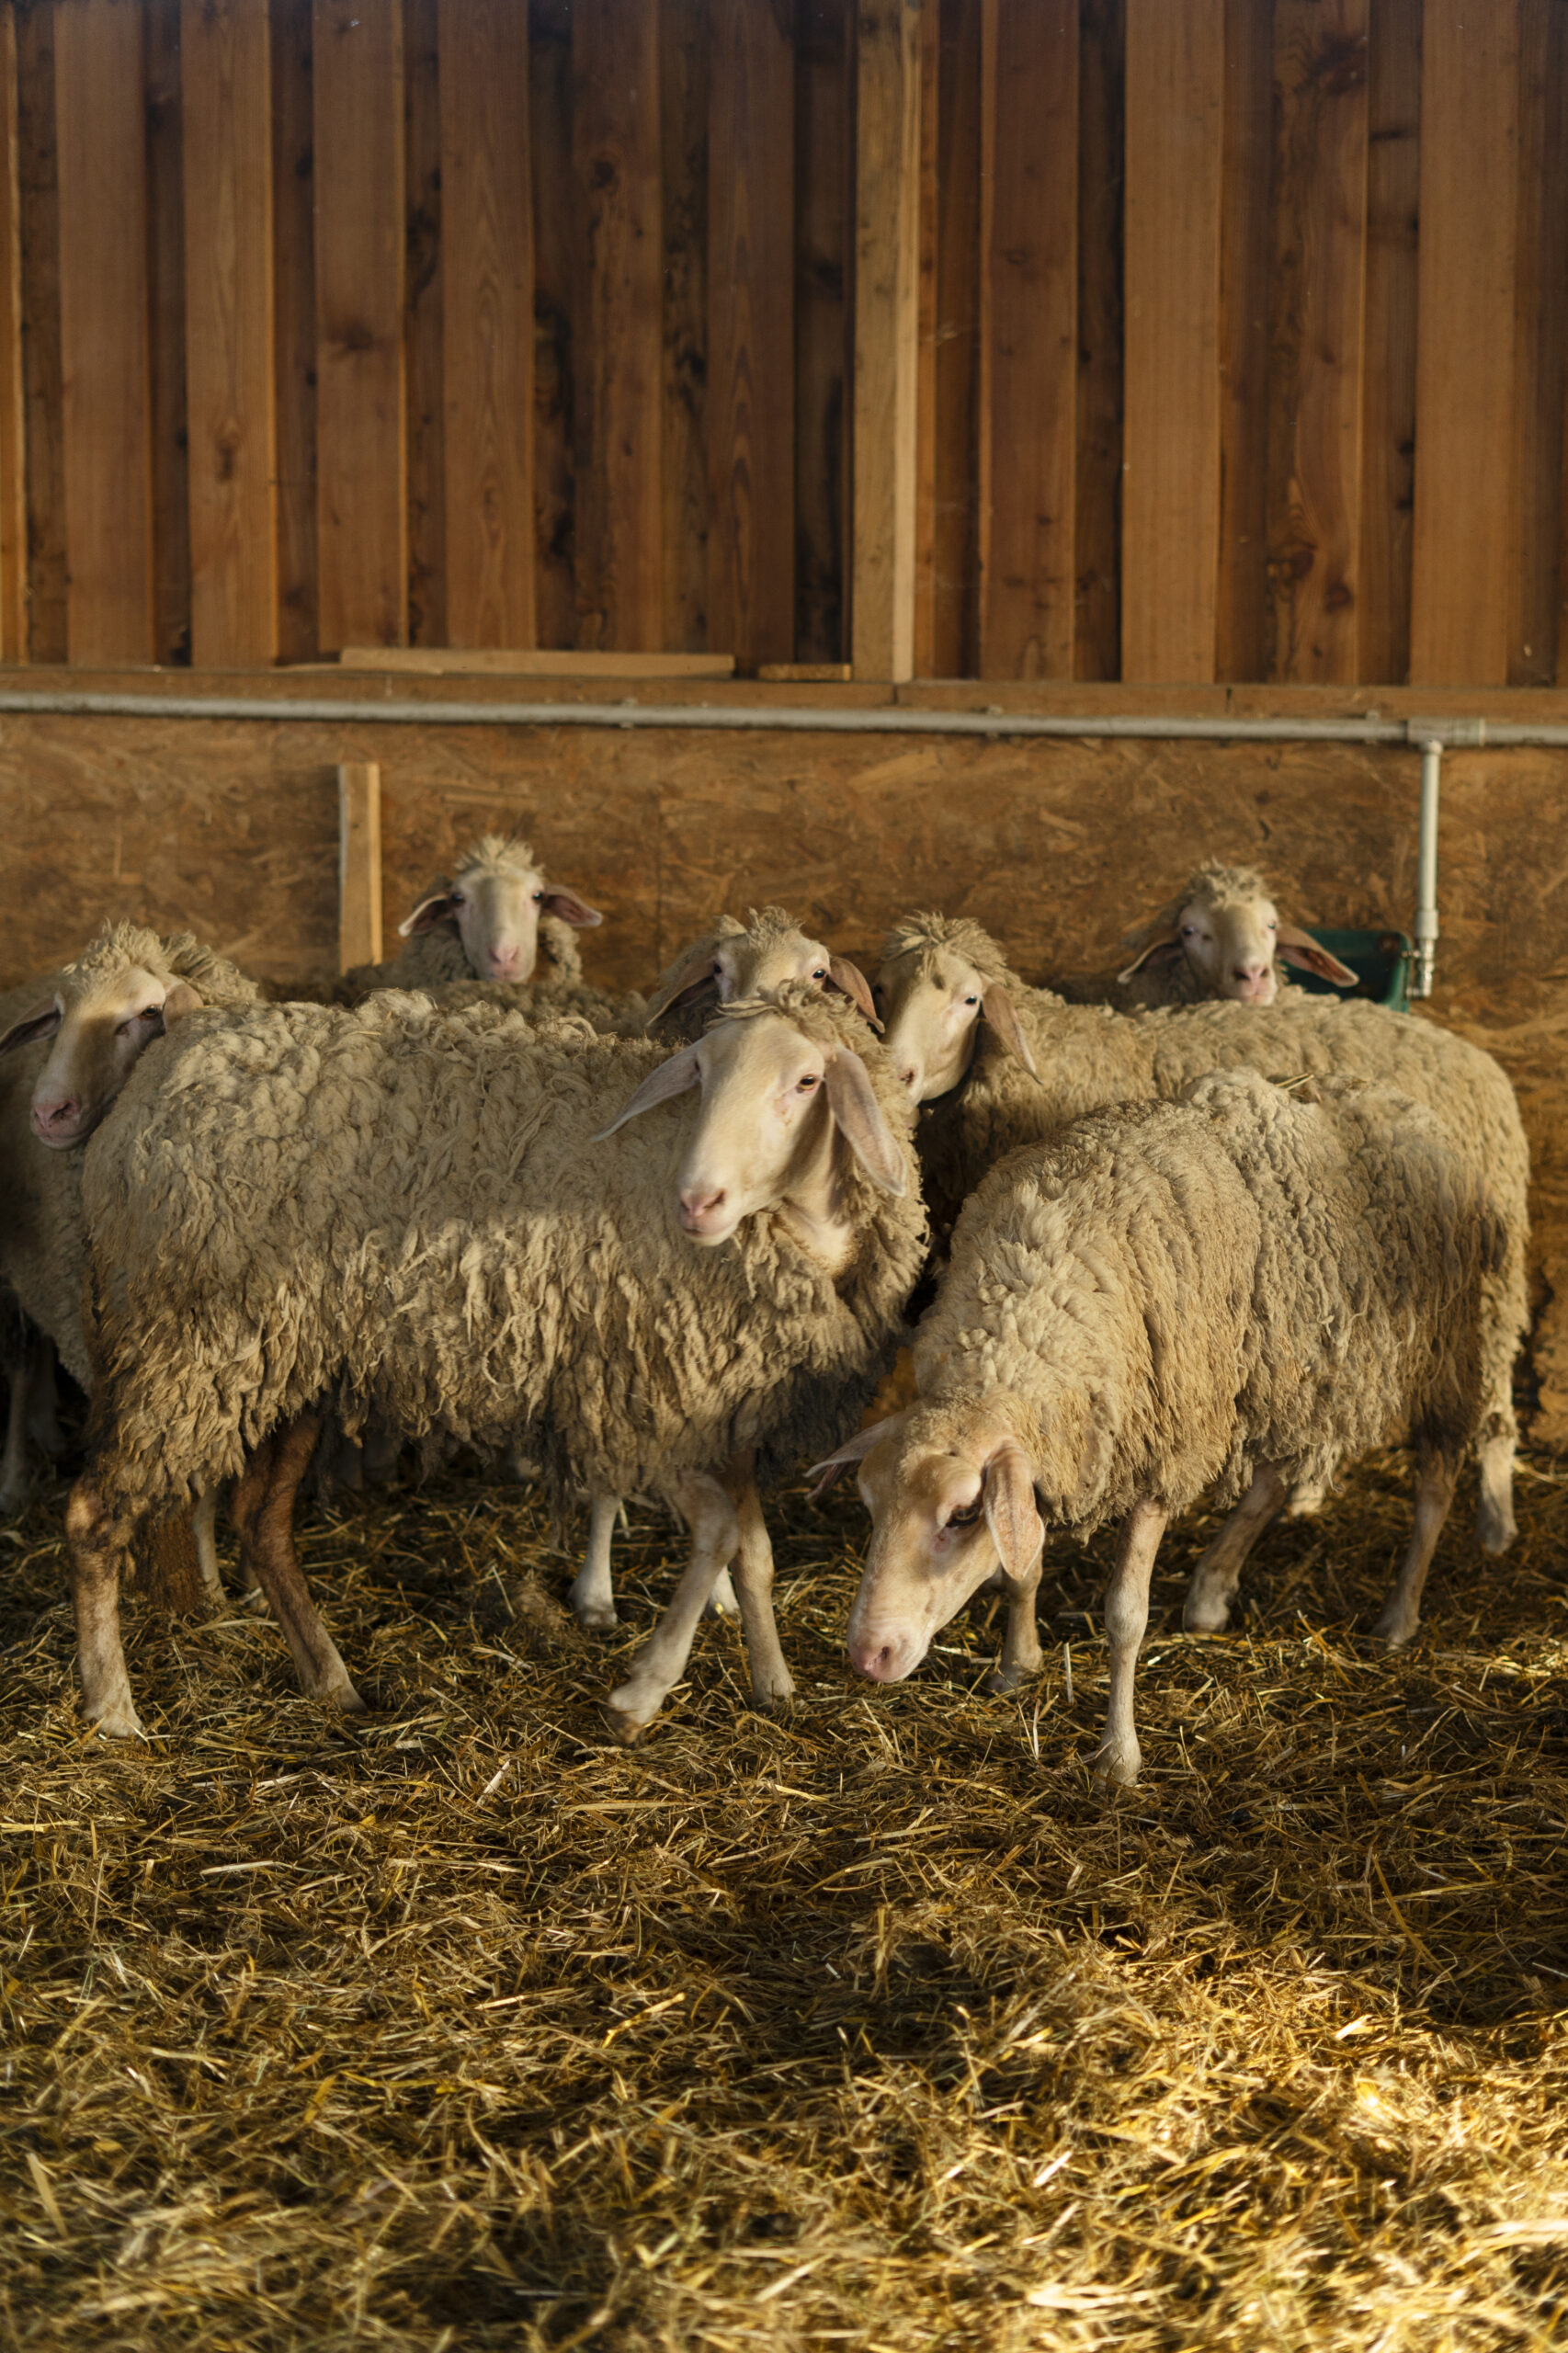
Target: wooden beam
1315,377
684,43
887,335
1102,146
1464,384
1243,621
40,342
540,662
294,330
166,334
1541,346
558,293
1388,430
926,390
1170,523
751,336
359,864
423,290
361,424
13,402
226,82
1028,339
825,166
487,322
100,128
619,375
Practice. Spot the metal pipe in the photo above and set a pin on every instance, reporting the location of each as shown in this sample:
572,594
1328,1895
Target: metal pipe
1425,928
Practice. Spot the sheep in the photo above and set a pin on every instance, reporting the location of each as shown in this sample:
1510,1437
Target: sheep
433,1216
1230,1292
996,1065
1220,937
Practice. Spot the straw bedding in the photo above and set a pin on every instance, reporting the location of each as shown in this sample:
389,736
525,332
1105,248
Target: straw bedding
461,2026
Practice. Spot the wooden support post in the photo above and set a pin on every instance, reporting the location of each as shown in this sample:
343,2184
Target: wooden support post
13,414
226,86
887,336
1170,513
359,864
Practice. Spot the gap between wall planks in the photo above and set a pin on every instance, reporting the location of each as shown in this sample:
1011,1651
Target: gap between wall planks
1388,437
294,329
166,313
359,863
423,290
12,420
226,91
1244,617
362,422
1541,314
685,55
887,336
824,268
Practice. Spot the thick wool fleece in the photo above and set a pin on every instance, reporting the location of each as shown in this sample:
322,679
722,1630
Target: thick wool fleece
404,1206
1089,1057
1172,1294
43,1249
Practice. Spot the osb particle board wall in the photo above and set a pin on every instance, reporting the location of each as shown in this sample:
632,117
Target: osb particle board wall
231,828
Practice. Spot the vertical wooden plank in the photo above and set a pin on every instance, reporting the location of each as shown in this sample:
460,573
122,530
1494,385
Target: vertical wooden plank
685,37
13,409
37,173
619,375
100,129
1102,47
823,216
423,298
1540,321
1464,381
1170,516
1244,631
361,508
956,554
487,322
359,863
558,279
926,389
1314,525
1388,432
751,336
166,334
1029,341
294,328
887,335
227,100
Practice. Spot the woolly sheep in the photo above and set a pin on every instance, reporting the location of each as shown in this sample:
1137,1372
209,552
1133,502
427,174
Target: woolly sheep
410,1209
1220,937
497,920
1231,1292
997,1064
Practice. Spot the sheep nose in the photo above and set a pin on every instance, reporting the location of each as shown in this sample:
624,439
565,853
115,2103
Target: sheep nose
1255,972
908,1077
872,1659
697,1203
62,1112
504,962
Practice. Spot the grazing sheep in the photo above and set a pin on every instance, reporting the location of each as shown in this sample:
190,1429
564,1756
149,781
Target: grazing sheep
997,1064
1222,937
431,1217
1231,1291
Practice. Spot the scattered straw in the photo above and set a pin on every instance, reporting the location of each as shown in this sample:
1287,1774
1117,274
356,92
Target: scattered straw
461,2028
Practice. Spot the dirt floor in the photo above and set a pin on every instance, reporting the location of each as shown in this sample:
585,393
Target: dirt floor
459,2027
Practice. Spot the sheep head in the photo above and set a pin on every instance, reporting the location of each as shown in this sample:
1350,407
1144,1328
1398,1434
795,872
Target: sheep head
939,979
736,960
495,900
102,1013
1231,933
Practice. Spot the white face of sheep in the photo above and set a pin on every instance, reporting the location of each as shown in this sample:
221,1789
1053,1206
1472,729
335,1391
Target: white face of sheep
100,1029
952,1498
932,1005
1235,949
740,967
774,1102
497,910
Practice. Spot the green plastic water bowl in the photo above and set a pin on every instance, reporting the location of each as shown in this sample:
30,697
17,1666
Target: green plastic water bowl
1380,960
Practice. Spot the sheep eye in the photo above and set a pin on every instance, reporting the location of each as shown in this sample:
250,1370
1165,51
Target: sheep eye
539,898
821,973
1271,926
965,1516
807,1083
458,899
972,1000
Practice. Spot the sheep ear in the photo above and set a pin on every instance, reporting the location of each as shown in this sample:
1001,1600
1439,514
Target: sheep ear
570,908
1017,1529
670,1079
854,1450
861,1121
41,1022
181,1000
427,915
691,976
998,1007
1166,946
1300,947
851,982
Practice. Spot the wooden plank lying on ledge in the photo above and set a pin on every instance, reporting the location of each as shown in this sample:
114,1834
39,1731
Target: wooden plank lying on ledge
541,662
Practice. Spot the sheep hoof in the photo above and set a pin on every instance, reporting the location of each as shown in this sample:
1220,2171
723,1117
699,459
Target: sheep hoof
1394,1628
118,1720
1115,1763
775,1698
341,1695
597,1616
722,1602
1494,1525
624,1728
1002,1680
13,1496
1205,1613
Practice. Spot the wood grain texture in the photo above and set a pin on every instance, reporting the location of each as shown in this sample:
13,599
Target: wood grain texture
1170,524
824,178
685,37
955,372
1102,145
1028,340
361,510
39,192
166,334
1388,434
620,341
1245,618
359,863
1315,373
487,322
230,358
887,336
1464,396
751,336
294,328
558,293
1541,342
423,285
105,385
925,388
13,400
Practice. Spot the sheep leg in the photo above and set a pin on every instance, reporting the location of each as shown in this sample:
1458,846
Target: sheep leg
98,1553
263,1510
1436,1478
43,1398
204,1528
715,1539
772,1685
1119,1756
14,1481
723,1601
1494,1526
592,1594
1218,1573
1021,1653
